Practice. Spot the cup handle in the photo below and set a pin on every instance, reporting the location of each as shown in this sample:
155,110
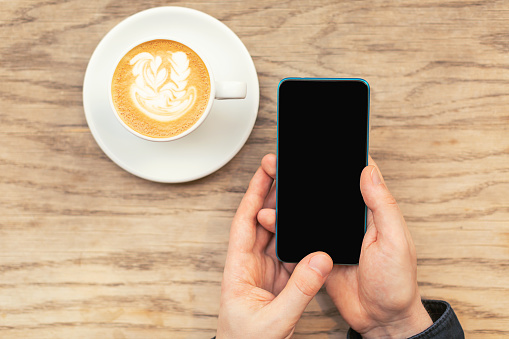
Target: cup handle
231,90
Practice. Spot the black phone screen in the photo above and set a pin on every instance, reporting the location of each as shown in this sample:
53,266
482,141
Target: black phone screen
322,148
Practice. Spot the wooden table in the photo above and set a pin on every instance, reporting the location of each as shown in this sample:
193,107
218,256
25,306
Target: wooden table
88,250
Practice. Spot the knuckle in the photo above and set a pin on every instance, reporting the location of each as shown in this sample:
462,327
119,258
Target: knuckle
306,286
390,200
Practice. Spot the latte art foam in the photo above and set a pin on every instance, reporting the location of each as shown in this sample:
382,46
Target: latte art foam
160,88
158,96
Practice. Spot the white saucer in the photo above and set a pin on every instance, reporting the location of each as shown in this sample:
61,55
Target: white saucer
210,146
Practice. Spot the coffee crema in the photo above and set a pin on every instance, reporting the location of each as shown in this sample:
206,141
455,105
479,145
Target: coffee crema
160,88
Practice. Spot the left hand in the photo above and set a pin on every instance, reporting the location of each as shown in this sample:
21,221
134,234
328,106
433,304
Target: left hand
261,296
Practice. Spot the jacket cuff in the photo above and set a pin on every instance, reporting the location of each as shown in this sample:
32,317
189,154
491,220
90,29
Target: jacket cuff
445,323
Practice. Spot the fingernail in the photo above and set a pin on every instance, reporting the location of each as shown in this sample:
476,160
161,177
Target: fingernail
375,176
321,264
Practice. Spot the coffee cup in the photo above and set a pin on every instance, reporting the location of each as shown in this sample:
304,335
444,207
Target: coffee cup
163,89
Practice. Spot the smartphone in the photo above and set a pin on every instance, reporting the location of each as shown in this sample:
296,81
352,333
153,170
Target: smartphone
322,148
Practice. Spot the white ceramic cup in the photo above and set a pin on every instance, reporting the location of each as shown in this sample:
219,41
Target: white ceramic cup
218,90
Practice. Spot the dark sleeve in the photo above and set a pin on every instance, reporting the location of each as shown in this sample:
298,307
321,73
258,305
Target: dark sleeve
445,323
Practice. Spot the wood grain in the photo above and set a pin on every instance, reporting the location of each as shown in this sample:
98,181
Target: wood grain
90,251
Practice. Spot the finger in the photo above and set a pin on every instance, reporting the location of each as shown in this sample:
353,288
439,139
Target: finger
269,163
269,166
270,201
243,229
342,285
267,218
263,238
306,280
271,252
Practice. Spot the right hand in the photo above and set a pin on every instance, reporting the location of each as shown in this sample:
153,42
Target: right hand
379,298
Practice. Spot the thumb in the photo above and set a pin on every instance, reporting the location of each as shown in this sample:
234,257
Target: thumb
379,199
305,282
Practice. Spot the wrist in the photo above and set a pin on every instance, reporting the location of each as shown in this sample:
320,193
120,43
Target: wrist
405,326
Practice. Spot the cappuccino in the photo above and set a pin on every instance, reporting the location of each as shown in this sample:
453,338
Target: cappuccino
160,88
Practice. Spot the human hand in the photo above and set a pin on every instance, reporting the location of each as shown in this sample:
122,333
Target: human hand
259,294
379,298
